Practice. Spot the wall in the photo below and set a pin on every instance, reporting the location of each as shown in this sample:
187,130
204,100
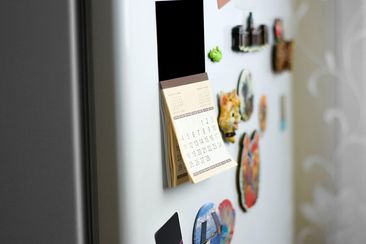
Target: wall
311,135
132,201
330,140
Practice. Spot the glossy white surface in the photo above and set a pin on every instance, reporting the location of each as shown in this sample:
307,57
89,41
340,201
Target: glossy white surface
129,142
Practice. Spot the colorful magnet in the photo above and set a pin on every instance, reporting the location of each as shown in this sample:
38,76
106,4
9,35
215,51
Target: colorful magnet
170,232
215,54
229,114
282,50
227,217
282,113
248,171
222,3
207,227
263,114
250,39
278,30
246,94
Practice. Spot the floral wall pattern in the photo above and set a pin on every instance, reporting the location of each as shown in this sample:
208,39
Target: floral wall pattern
330,124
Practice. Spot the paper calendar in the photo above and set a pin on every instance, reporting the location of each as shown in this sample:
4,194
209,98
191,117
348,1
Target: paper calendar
195,149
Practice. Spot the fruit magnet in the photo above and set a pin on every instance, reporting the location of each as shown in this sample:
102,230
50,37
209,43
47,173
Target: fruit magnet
215,54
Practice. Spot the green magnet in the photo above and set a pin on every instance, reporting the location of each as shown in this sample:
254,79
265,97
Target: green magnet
215,54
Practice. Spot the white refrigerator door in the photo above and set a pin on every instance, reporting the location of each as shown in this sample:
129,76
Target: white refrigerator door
133,204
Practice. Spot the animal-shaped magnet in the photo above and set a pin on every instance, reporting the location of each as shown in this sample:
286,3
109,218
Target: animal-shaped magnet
248,171
207,227
282,50
229,114
246,94
263,114
227,217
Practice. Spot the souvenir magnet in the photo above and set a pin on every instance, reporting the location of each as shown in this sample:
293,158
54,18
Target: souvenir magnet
207,226
278,30
263,114
248,176
215,54
170,232
227,217
249,39
246,94
282,113
222,3
282,50
229,114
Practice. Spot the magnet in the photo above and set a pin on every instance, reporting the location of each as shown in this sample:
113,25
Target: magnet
227,217
207,226
170,232
229,114
282,113
215,54
282,50
249,39
248,171
278,30
222,3
263,109
246,94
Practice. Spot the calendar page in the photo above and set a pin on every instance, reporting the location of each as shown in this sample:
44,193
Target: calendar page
193,117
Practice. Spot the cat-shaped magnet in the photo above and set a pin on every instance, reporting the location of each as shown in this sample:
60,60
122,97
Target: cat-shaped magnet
229,115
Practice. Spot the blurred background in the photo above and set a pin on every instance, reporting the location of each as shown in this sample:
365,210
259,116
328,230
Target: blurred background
329,121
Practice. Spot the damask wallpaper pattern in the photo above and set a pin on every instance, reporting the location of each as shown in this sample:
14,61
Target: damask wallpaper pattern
330,125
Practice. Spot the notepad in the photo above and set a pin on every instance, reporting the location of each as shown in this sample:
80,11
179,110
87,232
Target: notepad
194,149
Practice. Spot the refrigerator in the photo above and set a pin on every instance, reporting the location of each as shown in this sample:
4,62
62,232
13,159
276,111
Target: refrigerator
81,134
46,121
133,200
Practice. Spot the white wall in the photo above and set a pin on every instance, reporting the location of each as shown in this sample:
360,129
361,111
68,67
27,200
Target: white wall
132,201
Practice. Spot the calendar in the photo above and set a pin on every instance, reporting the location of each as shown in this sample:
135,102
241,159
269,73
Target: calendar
196,150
